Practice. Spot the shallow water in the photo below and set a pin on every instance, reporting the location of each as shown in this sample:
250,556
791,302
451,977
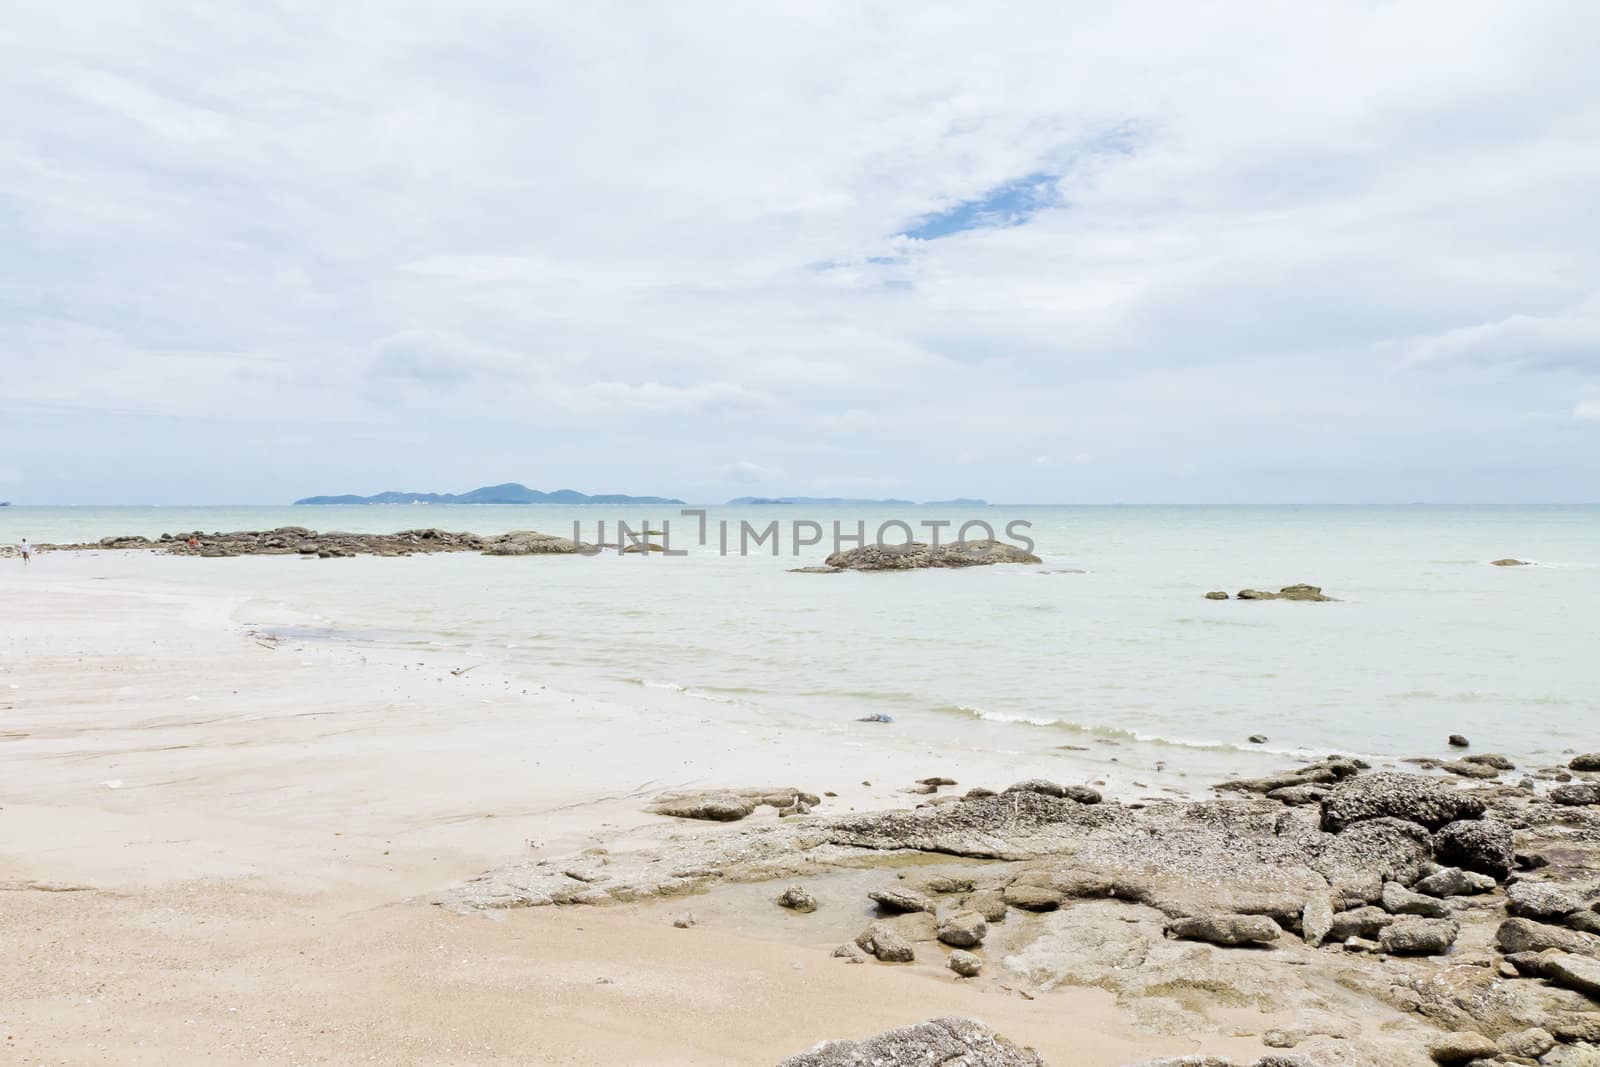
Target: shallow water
1110,637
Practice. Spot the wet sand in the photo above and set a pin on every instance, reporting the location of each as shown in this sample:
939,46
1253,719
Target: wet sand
211,845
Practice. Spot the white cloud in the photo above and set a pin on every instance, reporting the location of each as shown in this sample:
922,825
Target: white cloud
1357,240
746,473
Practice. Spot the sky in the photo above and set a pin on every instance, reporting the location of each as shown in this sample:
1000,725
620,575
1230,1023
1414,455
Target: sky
1032,252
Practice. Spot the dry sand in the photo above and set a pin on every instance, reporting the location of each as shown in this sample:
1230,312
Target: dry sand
210,844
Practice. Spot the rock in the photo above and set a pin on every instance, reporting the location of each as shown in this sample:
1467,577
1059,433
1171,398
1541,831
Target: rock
1081,793
1457,741
1454,882
1258,739
1362,944
965,964
716,807
1525,935
1398,900
1288,592
1462,1047
1529,1044
1298,795
1468,769
1316,919
1481,845
990,903
917,555
1491,759
1430,802
850,952
1587,921
964,929
1419,937
936,782
684,922
1576,794
1216,594
1540,900
1225,929
1323,773
796,898
946,884
895,899
1578,973
884,942
1032,898
1508,562
1367,923
1589,761
876,717
951,1042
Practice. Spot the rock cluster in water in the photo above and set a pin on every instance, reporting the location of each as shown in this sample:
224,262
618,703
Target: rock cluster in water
917,555
335,544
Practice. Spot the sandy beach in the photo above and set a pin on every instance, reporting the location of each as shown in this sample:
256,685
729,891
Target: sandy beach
216,847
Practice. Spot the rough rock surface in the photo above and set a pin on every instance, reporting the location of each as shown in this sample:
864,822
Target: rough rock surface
1430,802
965,964
917,555
1525,935
1419,937
730,805
1588,761
335,544
1226,929
1288,592
896,899
1463,1047
1455,882
1483,845
1576,794
1540,900
797,898
964,929
886,943
947,1042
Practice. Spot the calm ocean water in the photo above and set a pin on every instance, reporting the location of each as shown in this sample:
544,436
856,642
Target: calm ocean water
1109,637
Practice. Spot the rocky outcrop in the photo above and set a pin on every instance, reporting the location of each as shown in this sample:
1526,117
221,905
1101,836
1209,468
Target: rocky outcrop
950,1042
1508,562
917,555
336,544
1429,802
1226,929
1483,845
1589,761
730,805
1289,592
797,898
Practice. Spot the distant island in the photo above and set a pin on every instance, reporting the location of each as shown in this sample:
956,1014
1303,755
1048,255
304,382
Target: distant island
826,501
509,493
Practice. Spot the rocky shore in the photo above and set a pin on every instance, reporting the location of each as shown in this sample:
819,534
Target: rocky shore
334,544
1371,916
917,555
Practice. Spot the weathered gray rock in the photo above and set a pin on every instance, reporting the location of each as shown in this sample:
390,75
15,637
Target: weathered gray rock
1579,973
1468,769
965,964
1430,802
1508,562
797,898
1490,759
716,807
1419,937
896,899
850,952
990,903
917,555
964,929
1525,935
1216,594
1366,923
1398,900
1316,918
1462,1047
1225,929
886,943
1289,592
1032,897
1455,882
1529,1044
1298,795
1576,794
1541,900
1483,845
947,1042
1081,793
1589,761
1324,773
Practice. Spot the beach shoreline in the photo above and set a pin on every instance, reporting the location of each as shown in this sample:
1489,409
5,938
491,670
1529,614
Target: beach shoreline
187,796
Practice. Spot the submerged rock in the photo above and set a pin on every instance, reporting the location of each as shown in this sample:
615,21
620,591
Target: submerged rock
1508,562
952,1042
1289,592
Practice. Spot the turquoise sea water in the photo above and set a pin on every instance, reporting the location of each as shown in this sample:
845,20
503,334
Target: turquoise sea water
1110,636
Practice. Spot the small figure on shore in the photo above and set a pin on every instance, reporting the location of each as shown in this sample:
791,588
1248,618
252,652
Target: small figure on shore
26,550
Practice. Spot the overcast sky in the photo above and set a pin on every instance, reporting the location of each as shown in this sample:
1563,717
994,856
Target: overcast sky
1052,252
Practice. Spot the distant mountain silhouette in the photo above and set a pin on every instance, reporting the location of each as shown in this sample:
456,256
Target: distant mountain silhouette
509,493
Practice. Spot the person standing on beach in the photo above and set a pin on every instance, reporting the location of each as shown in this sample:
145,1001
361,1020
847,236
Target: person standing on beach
27,551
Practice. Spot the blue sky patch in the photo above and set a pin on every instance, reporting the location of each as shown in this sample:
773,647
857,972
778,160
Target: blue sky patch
1010,204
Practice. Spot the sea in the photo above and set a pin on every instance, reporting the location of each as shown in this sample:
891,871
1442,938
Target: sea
1109,639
